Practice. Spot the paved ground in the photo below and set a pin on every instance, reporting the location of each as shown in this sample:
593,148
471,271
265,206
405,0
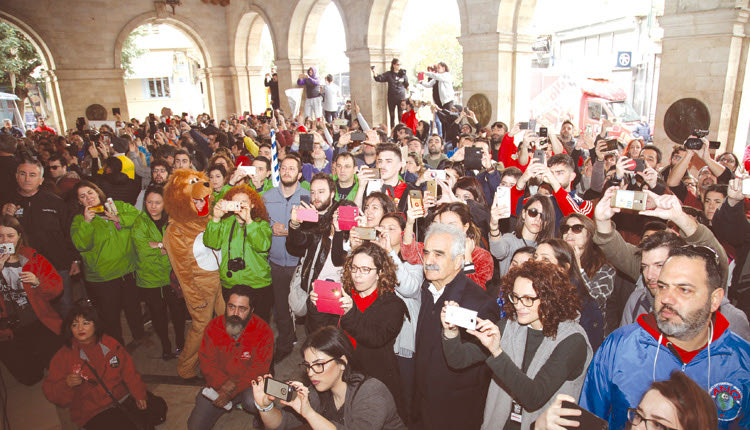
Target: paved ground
29,409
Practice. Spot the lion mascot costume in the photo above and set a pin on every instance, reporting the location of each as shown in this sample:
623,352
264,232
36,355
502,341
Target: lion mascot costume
186,200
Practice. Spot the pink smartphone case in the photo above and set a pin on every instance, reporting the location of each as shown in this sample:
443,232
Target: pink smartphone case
310,215
329,294
347,217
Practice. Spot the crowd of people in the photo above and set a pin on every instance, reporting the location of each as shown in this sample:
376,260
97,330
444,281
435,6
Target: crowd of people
448,275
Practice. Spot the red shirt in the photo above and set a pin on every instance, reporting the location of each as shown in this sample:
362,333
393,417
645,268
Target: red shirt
362,303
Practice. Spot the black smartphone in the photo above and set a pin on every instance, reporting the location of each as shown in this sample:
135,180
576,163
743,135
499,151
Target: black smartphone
523,125
712,144
306,142
280,390
542,131
640,165
115,111
612,145
586,420
305,199
541,155
358,136
472,158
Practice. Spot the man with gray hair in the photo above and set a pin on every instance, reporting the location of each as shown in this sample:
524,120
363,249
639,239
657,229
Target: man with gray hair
445,398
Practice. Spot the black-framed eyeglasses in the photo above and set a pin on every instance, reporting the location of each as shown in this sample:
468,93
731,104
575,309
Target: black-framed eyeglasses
315,367
700,251
577,228
525,300
533,212
635,418
361,269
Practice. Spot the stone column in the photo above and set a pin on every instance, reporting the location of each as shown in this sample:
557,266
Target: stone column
80,88
255,81
371,96
704,53
53,97
220,91
242,93
497,65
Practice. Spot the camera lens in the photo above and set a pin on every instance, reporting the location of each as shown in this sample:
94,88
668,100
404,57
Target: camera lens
283,391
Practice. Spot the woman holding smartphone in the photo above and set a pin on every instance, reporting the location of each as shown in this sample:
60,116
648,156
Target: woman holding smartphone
103,237
240,228
536,223
537,352
372,314
341,398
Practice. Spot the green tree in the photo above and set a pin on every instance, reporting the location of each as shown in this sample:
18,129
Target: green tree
18,58
131,51
437,42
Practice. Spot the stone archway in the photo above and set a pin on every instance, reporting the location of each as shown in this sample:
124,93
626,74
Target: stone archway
187,28
48,62
247,59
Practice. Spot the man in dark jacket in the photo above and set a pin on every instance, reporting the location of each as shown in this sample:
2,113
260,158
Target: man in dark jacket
46,221
447,398
272,82
398,83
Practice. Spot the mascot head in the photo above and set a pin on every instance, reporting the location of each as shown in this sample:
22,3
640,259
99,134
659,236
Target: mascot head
186,195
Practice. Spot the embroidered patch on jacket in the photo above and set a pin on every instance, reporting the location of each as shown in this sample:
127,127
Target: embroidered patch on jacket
245,355
728,400
114,362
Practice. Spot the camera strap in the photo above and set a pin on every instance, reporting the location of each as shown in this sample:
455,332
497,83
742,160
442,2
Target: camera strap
117,403
231,234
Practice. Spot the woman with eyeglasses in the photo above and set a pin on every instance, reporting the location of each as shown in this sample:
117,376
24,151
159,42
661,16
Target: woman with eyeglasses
537,352
239,227
675,404
558,252
342,398
598,275
535,223
373,314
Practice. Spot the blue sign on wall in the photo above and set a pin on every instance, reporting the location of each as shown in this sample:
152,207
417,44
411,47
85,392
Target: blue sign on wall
624,58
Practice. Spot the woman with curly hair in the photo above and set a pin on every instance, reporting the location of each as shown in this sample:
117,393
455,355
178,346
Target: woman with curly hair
537,352
239,227
373,314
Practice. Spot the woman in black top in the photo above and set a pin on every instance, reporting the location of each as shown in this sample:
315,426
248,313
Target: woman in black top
397,85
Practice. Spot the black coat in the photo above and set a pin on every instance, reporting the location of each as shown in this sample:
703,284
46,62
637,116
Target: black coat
445,398
375,331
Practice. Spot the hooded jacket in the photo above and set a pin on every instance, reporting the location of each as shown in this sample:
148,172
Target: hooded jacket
106,250
632,357
112,363
50,286
250,242
152,267
311,83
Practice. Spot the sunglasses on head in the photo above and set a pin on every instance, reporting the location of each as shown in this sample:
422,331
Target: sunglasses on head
533,212
577,228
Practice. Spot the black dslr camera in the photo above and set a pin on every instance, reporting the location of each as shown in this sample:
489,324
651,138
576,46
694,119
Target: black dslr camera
235,265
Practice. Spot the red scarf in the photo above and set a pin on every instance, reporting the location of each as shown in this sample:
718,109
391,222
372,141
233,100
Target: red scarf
362,304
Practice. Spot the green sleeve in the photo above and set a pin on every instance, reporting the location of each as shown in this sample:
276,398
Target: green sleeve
142,235
128,214
259,233
82,233
212,238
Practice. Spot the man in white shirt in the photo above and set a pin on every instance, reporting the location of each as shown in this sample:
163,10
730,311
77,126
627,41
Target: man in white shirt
331,96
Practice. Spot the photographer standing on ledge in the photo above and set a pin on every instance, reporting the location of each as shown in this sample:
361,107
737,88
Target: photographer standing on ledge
398,83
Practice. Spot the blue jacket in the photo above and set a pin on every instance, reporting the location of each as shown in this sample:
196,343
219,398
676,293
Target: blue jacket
280,211
626,364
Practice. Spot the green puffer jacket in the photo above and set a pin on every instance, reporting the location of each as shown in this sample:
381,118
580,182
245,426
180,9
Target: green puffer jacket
257,242
152,268
107,252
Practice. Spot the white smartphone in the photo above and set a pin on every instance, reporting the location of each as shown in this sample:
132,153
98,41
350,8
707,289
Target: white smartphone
439,175
461,317
7,248
374,185
746,186
247,170
232,206
212,395
502,198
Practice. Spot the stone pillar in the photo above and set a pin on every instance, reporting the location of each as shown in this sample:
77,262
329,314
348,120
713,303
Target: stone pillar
80,88
220,91
288,70
242,94
371,96
53,97
497,65
255,81
704,53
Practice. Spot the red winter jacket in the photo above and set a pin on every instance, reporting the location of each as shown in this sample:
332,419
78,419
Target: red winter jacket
50,286
410,120
114,366
242,360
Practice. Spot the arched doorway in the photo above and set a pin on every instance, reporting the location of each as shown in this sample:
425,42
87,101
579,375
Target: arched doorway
190,66
43,95
254,55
